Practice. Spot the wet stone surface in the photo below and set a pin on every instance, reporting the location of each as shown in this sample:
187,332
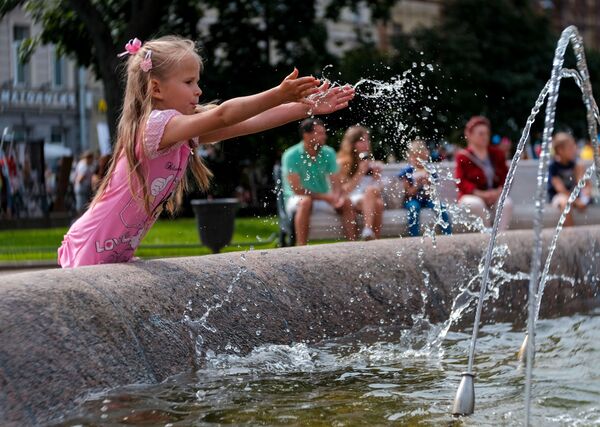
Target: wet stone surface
66,333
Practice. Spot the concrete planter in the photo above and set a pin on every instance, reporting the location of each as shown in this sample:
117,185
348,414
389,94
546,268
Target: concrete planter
215,219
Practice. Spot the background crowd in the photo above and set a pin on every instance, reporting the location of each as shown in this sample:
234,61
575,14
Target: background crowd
316,180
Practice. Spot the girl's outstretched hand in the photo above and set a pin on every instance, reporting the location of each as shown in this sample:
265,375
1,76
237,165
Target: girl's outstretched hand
294,89
327,100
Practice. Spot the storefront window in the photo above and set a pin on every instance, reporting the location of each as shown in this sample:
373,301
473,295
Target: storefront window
19,134
57,135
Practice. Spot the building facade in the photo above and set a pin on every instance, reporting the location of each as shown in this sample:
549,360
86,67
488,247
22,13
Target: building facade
49,114
48,98
352,27
406,16
584,14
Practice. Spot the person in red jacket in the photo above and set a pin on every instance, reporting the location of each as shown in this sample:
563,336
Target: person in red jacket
481,170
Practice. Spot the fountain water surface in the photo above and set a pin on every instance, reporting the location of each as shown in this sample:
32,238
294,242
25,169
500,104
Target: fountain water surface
465,399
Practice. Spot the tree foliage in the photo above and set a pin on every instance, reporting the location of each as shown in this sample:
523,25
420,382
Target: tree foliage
252,45
483,67
492,58
93,32
483,57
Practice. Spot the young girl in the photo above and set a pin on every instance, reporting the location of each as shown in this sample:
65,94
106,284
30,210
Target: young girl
159,128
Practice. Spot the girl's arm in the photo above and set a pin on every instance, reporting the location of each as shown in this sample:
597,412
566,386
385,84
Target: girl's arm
332,100
184,127
344,173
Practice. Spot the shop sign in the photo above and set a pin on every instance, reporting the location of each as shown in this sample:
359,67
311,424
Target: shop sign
37,98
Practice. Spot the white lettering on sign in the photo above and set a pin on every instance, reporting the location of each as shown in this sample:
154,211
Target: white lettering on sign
38,98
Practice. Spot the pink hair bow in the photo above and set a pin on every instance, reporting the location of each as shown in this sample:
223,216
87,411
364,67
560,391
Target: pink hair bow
146,64
131,47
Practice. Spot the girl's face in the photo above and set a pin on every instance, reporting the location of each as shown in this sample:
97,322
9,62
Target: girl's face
179,90
479,136
363,145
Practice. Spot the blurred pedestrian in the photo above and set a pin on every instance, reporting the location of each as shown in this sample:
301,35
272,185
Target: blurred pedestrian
481,170
506,147
83,181
587,152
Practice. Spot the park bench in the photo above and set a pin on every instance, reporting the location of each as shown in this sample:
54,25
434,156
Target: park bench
325,225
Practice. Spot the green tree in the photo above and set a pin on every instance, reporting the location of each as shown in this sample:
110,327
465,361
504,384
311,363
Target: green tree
492,58
93,32
253,44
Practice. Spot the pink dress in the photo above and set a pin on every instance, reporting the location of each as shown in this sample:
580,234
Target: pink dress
112,229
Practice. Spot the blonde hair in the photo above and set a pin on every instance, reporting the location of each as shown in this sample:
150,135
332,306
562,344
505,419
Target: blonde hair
348,153
417,146
560,139
167,53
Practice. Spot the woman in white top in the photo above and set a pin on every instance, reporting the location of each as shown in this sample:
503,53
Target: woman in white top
361,179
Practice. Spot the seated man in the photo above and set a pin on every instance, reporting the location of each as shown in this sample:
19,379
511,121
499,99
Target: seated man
310,181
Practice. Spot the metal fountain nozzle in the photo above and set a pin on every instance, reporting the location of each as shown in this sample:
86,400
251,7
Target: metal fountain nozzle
464,402
523,350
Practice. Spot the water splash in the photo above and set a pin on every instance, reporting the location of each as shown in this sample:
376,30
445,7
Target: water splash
197,326
550,93
390,101
574,195
467,294
569,36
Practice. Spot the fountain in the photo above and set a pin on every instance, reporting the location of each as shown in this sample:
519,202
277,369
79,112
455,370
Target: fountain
347,331
67,335
465,398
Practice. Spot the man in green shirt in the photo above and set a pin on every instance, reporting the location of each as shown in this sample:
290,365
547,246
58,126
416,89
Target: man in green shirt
310,181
